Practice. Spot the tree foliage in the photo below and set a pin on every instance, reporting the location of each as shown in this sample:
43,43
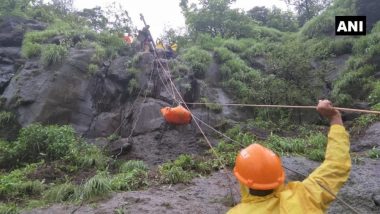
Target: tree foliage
275,18
215,17
307,9
95,18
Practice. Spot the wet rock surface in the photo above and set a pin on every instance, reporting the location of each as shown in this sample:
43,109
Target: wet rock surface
370,139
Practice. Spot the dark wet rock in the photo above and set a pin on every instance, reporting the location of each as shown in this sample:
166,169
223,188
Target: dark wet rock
118,70
119,147
104,125
100,142
9,63
376,199
361,105
369,140
12,30
58,95
350,116
147,116
377,75
159,146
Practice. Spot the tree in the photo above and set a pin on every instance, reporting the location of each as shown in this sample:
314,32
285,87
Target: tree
95,18
275,18
260,14
118,19
14,6
63,6
307,9
215,17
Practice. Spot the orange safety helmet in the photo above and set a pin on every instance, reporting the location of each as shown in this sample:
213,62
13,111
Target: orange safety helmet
259,168
178,115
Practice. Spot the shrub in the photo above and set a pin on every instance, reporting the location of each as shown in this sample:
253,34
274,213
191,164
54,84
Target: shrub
171,174
60,193
209,43
234,45
87,156
93,69
133,86
133,165
84,44
30,50
8,125
9,209
341,46
37,142
222,54
131,180
52,54
374,96
96,187
111,42
198,60
15,184
253,51
374,153
99,54
215,107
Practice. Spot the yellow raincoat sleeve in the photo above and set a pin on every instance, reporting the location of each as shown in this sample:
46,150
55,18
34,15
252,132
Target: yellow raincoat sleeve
333,172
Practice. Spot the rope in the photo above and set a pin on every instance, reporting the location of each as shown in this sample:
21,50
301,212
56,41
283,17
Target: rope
252,105
137,118
200,129
322,186
288,106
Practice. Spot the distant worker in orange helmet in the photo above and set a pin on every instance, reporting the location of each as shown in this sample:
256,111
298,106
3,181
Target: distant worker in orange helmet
262,177
128,38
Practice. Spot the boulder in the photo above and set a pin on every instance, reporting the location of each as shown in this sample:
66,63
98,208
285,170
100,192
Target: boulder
59,95
377,75
147,116
9,63
117,71
369,140
12,30
376,199
119,147
104,125
361,105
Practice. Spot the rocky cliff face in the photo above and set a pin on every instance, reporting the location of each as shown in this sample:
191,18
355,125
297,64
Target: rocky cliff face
101,104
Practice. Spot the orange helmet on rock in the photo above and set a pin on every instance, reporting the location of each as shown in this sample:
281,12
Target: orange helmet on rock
259,168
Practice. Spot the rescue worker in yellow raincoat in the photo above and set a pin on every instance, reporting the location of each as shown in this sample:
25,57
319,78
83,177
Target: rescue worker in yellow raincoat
261,175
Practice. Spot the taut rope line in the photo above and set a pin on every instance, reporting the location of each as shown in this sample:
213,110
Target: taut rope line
288,106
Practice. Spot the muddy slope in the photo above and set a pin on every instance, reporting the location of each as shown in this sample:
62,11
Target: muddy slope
213,194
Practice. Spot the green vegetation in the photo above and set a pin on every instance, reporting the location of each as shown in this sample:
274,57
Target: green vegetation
96,187
211,106
198,60
374,153
37,142
93,69
133,165
60,193
52,54
183,169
